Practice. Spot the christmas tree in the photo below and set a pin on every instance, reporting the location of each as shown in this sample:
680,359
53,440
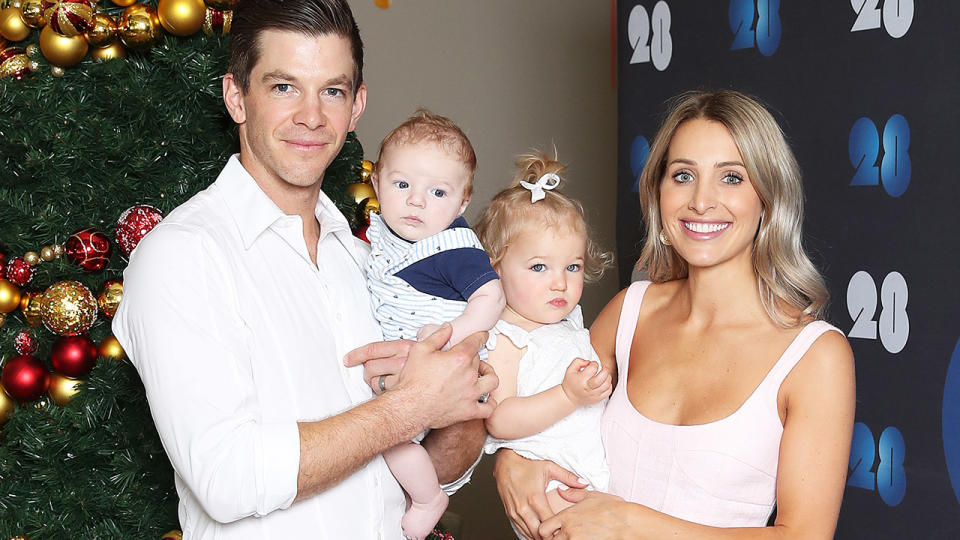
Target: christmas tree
94,149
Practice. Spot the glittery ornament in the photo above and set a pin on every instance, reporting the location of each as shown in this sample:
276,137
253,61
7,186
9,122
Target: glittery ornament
89,249
10,296
24,342
6,406
68,17
139,27
19,272
32,13
14,63
68,308
32,258
109,298
111,348
24,378
30,307
134,224
3,264
62,388
73,356
57,249
217,22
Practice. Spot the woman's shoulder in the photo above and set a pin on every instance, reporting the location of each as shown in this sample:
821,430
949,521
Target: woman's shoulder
828,361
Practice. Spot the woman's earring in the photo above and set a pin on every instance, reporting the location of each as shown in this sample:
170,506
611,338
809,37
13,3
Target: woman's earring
663,238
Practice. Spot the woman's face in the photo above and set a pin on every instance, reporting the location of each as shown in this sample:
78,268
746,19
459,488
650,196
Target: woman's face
709,208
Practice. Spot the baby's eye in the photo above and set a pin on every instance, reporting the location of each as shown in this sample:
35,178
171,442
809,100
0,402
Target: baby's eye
439,193
401,184
539,267
683,177
573,267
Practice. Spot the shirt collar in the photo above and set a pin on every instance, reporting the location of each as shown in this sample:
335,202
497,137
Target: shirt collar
254,212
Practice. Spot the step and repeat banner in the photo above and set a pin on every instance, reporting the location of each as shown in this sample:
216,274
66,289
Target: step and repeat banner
867,93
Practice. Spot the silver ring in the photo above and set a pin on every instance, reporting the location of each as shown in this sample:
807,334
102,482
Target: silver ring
381,383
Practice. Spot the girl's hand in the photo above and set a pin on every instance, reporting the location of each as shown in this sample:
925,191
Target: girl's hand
522,484
582,386
594,515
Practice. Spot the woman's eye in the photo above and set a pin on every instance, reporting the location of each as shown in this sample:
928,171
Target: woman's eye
539,267
683,177
439,193
732,178
573,268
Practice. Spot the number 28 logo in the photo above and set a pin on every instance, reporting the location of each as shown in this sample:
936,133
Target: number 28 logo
897,16
654,46
894,324
765,33
864,147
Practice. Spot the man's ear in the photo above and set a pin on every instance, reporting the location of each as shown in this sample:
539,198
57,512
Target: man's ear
233,99
359,104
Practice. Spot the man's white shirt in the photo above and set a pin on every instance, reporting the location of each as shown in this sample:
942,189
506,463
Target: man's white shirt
237,337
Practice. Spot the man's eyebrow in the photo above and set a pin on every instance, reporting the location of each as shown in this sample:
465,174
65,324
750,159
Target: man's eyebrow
277,75
340,80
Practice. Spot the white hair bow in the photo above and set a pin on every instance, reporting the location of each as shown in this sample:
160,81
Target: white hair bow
545,182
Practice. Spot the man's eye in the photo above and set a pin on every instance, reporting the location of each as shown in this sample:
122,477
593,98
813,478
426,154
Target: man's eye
539,267
439,193
283,88
334,92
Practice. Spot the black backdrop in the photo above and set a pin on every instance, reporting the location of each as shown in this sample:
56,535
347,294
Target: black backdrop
871,115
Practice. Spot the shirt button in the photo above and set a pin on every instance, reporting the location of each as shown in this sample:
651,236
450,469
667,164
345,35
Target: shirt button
339,317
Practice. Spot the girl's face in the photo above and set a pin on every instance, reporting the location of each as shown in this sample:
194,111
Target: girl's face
542,275
708,205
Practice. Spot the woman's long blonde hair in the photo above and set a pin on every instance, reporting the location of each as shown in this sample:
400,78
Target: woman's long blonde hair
791,288
511,212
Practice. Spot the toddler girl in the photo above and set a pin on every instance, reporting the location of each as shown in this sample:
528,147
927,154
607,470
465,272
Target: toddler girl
552,388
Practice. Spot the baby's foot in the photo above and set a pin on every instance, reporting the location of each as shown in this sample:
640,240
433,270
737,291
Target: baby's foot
420,518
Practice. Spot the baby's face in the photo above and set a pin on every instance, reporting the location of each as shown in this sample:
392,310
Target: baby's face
421,189
542,275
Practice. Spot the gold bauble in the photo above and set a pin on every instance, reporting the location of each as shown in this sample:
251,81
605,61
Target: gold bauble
12,25
46,253
3,319
6,406
33,50
103,31
30,307
366,169
32,258
223,4
62,51
9,296
62,388
359,191
110,348
173,535
109,298
32,13
57,250
217,22
114,50
181,17
57,71
68,308
139,27
367,206
124,3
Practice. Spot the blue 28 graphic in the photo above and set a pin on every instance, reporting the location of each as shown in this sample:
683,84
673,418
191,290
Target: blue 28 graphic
864,148
765,33
890,479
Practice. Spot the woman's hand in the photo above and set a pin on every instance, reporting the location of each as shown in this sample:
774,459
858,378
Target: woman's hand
522,484
384,358
595,515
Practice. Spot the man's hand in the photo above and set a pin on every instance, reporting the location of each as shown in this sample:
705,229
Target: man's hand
444,386
584,387
380,358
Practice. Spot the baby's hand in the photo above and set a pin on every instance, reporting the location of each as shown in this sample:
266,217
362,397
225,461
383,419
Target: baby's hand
427,330
584,387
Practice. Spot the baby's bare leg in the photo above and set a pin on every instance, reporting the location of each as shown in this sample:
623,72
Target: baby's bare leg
411,466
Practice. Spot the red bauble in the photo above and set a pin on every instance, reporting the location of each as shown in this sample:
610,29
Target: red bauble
361,233
19,272
25,378
24,342
89,249
3,264
73,356
134,224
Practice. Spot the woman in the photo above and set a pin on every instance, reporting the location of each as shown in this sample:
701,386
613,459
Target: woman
733,397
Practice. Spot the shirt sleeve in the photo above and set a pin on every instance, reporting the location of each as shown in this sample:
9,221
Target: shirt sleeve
179,324
465,269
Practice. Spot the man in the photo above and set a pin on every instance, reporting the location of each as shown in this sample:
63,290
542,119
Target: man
241,305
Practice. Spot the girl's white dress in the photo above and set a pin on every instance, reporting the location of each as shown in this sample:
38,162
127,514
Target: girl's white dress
574,441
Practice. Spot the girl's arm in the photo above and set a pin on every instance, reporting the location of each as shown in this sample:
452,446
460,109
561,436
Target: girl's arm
603,334
814,452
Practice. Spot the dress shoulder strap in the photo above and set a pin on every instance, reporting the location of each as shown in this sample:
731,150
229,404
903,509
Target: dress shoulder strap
627,325
793,353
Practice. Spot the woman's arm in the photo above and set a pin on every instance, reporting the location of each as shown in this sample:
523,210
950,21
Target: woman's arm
814,451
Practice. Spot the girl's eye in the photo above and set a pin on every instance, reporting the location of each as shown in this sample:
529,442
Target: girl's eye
732,178
573,268
539,267
683,177
439,193
401,184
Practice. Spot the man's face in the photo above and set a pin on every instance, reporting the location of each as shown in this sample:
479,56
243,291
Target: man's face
298,110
